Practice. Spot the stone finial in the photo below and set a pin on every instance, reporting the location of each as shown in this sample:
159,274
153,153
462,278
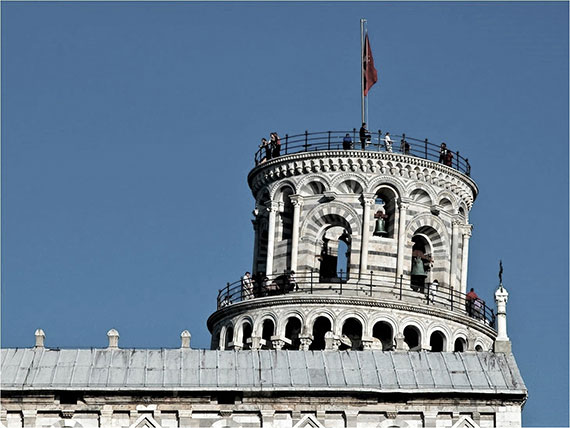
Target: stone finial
113,336
185,337
502,342
40,337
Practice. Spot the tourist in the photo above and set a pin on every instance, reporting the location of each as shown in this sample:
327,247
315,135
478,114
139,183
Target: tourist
364,135
404,146
442,153
449,158
433,289
265,145
246,287
469,299
275,145
388,142
347,142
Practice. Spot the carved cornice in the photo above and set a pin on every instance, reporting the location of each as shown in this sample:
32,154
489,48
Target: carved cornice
389,164
329,301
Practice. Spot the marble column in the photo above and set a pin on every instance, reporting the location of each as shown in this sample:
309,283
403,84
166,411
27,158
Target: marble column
272,208
454,246
465,256
403,207
297,201
368,199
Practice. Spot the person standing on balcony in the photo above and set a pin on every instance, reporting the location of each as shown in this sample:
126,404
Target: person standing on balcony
442,153
275,145
404,146
433,291
267,147
347,142
388,142
246,286
364,135
469,300
449,158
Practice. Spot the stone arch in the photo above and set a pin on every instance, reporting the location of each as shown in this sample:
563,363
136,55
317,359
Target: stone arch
321,312
318,329
436,335
420,196
240,327
479,343
446,194
378,332
293,327
376,182
460,344
418,185
411,322
303,182
283,318
323,213
338,179
346,314
428,220
229,334
280,186
382,318
258,325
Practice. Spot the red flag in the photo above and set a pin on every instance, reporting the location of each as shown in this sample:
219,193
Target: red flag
370,73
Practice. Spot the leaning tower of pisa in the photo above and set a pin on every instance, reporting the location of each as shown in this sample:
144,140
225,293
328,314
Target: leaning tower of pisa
357,248
355,314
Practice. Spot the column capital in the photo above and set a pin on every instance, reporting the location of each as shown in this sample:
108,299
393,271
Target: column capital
272,206
296,200
404,203
368,198
466,230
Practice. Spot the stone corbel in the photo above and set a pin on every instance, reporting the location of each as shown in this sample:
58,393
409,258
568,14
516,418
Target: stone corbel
329,195
332,342
306,341
279,342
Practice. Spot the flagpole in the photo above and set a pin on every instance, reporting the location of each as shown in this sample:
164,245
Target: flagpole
362,21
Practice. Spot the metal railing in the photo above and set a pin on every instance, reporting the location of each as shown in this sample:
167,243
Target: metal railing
368,285
333,140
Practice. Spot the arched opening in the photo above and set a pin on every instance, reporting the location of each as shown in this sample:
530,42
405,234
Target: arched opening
342,259
292,331
437,341
229,337
385,212
479,348
352,330
421,263
335,254
267,331
412,338
246,334
320,327
460,345
384,333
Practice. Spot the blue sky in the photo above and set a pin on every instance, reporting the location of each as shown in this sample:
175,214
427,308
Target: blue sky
128,130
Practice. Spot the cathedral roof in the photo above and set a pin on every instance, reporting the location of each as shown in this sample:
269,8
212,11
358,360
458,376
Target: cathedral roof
32,369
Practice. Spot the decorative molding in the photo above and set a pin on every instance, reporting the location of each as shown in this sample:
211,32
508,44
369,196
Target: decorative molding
389,164
224,314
